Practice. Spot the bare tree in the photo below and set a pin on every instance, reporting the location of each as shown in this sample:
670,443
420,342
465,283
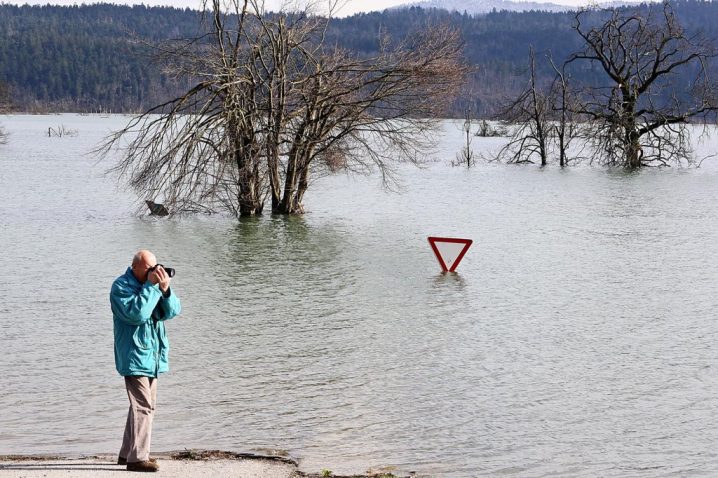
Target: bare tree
563,101
638,114
356,112
5,107
202,151
466,155
272,105
530,113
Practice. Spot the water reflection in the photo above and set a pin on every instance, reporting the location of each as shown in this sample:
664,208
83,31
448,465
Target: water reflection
449,278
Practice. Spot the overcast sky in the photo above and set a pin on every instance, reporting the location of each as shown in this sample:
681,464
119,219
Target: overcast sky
351,7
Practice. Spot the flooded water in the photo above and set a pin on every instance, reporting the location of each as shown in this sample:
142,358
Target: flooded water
577,339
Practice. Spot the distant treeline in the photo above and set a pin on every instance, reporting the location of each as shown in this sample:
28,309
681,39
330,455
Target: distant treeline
94,57
87,58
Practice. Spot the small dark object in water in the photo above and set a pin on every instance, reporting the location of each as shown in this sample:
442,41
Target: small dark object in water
157,209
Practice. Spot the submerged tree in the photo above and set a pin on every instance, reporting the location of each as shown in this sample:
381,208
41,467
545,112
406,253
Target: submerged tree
5,107
638,113
466,155
542,120
564,101
635,112
273,104
530,112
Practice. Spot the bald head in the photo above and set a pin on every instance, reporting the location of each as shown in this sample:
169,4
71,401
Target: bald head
141,262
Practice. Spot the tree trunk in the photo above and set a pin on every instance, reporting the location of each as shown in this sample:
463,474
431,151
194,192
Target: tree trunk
538,112
634,152
298,207
631,143
291,181
249,190
542,145
274,180
277,105
561,143
284,206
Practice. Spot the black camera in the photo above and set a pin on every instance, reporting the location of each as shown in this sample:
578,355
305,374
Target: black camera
170,271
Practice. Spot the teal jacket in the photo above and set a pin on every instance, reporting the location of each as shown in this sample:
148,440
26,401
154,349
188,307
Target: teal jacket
138,312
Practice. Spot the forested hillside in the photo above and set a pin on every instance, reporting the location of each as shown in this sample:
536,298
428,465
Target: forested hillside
92,58
87,58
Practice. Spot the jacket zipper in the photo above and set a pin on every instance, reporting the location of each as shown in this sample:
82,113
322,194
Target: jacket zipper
156,348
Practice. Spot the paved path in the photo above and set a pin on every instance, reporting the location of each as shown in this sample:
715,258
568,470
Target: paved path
105,467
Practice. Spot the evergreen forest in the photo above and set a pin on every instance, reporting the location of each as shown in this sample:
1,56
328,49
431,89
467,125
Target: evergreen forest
100,58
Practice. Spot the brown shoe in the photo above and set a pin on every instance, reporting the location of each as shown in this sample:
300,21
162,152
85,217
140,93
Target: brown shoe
143,466
123,461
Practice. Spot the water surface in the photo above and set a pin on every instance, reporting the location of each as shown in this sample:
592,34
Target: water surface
577,339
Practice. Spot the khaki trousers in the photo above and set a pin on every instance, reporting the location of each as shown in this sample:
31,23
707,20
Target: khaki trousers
142,392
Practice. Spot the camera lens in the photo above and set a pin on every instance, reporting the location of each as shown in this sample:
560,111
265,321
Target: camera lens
170,271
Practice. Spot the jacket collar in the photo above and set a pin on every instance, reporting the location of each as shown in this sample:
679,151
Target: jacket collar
131,277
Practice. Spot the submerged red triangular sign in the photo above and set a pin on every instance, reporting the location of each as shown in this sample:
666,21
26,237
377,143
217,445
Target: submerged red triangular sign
449,251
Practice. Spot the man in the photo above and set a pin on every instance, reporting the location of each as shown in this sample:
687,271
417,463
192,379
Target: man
141,301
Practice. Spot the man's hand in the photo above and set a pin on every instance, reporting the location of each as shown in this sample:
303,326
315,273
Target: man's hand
160,276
